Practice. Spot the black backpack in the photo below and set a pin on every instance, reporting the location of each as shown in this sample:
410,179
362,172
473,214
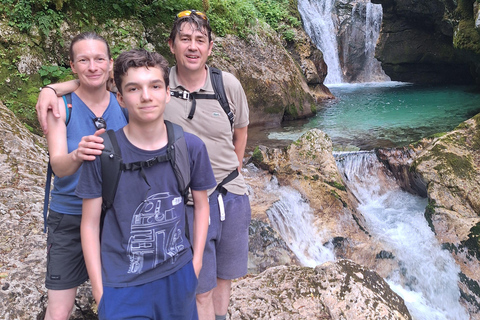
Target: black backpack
220,95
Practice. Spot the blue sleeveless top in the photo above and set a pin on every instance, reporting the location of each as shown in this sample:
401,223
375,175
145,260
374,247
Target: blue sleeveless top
63,198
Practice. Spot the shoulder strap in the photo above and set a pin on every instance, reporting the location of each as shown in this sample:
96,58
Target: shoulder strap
177,153
68,107
219,89
111,161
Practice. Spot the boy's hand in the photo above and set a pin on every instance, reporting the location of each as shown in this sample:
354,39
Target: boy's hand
197,265
90,146
47,100
97,295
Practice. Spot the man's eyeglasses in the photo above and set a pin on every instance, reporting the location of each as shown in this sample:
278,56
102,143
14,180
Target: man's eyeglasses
187,13
100,123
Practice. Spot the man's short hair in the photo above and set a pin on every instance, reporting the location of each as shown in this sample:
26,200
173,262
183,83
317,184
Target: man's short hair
197,23
137,58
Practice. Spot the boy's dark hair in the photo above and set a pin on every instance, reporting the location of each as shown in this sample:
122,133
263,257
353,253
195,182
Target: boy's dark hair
197,23
88,36
137,58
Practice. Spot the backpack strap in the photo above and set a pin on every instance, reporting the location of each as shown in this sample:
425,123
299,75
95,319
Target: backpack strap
111,162
68,107
177,153
46,199
219,89
220,95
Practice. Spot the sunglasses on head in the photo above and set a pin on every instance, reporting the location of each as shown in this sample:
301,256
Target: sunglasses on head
99,123
187,13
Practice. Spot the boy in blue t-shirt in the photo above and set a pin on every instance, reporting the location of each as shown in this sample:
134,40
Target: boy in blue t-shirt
143,266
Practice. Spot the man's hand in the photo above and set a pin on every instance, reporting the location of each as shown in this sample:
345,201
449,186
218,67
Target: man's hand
90,146
47,100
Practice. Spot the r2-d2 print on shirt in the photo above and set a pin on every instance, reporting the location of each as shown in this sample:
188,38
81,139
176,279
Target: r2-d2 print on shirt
155,235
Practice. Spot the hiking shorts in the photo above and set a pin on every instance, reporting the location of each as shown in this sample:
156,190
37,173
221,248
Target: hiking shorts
226,249
169,298
65,265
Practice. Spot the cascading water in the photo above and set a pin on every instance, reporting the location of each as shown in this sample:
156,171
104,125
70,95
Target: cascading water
347,39
428,276
292,217
319,25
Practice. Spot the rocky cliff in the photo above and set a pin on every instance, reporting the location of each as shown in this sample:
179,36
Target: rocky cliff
430,41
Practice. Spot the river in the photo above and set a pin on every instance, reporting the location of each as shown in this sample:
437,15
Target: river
361,118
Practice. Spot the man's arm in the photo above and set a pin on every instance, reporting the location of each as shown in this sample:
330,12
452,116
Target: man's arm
201,214
240,143
90,235
47,100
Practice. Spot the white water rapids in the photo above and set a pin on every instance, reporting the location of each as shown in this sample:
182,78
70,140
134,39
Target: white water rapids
428,276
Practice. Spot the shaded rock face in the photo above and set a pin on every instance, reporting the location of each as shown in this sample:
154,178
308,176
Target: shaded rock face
276,89
447,169
334,290
358,24
430,41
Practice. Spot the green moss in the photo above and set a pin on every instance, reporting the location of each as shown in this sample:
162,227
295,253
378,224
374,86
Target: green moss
461,167
429,212
257,155
476,136
337,185
467,36
338,197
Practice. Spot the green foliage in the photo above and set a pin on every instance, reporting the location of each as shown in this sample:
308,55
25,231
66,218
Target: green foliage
24,14
41,21
51,74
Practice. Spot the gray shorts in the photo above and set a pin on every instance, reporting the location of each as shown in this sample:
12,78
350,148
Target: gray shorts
226,250
65,265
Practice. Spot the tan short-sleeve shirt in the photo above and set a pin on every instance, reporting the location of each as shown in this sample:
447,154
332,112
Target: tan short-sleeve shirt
211,124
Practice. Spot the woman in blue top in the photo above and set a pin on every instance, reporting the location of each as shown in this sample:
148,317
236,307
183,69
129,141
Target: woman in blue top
70,143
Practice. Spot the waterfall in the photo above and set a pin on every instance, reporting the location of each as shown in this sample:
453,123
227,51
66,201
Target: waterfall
318,23
428,276
292,217
346,37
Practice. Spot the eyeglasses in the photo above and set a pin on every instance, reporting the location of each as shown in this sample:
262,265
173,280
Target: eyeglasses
100,123
187,13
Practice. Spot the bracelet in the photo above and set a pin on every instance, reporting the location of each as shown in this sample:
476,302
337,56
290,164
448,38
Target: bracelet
49,88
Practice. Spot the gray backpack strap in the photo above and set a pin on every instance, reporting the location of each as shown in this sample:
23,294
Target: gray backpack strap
178,155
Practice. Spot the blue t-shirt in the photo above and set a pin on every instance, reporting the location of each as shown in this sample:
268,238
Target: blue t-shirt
143,236
81,124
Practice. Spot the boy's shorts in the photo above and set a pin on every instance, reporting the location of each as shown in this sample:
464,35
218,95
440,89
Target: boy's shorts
169,298
226,249
65,265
